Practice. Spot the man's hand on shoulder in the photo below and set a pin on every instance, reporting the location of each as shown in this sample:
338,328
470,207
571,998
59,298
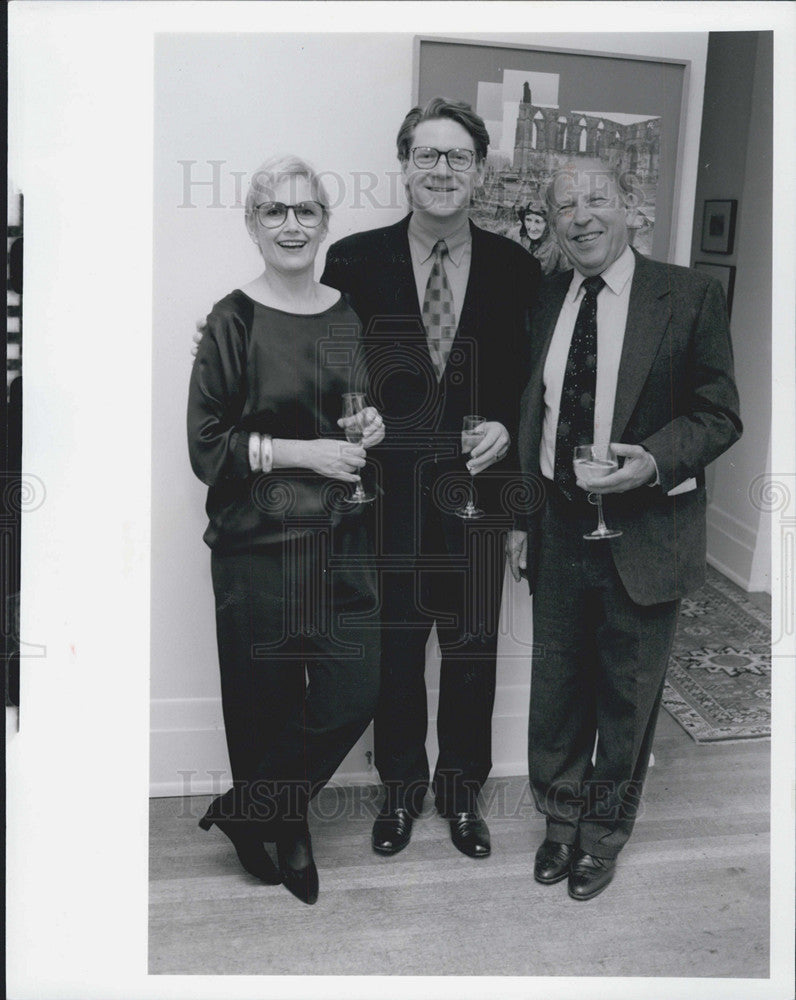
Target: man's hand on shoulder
201,330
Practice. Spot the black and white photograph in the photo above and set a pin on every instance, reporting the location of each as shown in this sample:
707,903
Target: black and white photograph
402,522
718,226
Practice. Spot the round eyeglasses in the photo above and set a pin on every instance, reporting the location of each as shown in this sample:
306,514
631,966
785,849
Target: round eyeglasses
426,157
272,214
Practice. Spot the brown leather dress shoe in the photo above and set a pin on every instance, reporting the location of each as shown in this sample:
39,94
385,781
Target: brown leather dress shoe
470,835
589,875
391,830
553,861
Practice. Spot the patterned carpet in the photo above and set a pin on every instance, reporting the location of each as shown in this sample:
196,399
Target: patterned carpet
718,686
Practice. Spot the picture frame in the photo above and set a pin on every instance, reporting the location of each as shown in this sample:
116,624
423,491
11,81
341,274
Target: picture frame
718,225
635,102
725,273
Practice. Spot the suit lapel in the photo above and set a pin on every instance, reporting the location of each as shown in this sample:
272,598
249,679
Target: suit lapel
467,322
395,274
547,311
648,316
551,298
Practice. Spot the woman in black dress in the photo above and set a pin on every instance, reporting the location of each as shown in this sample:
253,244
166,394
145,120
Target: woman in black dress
295,592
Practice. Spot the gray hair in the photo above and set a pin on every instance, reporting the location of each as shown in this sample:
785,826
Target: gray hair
273,170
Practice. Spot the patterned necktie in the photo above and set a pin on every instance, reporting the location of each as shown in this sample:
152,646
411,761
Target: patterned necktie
576,413
439,315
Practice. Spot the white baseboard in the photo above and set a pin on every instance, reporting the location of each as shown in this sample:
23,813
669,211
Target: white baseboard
188,751
729,572
200,765
731,545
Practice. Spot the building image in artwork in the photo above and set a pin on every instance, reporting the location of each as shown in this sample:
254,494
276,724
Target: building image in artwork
546,137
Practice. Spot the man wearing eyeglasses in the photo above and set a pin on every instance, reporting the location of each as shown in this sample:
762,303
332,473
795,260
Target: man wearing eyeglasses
445,306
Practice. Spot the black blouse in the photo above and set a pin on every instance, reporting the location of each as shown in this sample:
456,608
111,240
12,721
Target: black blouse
278,373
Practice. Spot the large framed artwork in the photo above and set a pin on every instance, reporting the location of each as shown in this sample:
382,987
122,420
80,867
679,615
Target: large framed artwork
546,106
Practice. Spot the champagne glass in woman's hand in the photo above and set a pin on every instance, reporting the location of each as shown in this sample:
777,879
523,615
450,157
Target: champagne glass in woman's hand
472,432
353,406
591,461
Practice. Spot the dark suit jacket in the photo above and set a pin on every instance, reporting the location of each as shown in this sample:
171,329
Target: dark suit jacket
485,373
676,396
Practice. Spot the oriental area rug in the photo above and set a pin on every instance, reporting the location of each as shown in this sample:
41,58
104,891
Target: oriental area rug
718,686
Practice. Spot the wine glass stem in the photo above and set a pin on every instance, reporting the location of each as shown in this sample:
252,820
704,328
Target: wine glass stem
600,521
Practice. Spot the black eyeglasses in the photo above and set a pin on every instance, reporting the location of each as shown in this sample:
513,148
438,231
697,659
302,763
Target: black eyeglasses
272,214
426,157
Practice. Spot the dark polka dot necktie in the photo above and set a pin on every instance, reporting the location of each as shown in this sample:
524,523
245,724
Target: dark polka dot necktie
576,413
439,314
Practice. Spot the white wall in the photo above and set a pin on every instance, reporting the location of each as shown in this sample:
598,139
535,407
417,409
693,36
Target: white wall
235,99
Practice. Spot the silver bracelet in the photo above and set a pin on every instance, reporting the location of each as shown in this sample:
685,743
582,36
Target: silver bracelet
254,451
266,453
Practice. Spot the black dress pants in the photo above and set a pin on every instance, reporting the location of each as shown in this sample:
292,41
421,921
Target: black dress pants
299,668
598,670
455,580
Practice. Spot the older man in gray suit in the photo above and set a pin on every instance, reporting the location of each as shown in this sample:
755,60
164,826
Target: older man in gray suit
634,354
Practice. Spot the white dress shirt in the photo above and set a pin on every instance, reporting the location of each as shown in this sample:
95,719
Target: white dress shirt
612,303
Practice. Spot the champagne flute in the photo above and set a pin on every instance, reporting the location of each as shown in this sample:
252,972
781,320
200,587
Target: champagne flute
472,433
594,460
353,405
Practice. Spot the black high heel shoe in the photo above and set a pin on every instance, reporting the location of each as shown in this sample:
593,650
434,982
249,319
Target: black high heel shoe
247,839
296,865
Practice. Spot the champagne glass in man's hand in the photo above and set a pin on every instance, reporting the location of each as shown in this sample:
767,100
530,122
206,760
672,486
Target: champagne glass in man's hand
354,407
472,431
591,461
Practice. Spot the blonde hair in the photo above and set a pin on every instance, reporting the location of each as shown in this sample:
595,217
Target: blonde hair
266,177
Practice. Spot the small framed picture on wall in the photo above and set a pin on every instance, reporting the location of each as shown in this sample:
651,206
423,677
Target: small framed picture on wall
718,226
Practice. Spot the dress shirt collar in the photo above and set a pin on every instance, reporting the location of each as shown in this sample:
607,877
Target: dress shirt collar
424,240
615,276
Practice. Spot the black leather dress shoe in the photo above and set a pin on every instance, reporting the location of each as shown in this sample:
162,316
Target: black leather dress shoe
588,875
391,830
247,839
470,835
553,861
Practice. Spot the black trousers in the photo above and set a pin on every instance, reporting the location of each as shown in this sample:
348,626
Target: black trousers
598,670
299,666
454,579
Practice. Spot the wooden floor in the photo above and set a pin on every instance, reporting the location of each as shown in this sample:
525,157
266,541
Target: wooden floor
690,897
